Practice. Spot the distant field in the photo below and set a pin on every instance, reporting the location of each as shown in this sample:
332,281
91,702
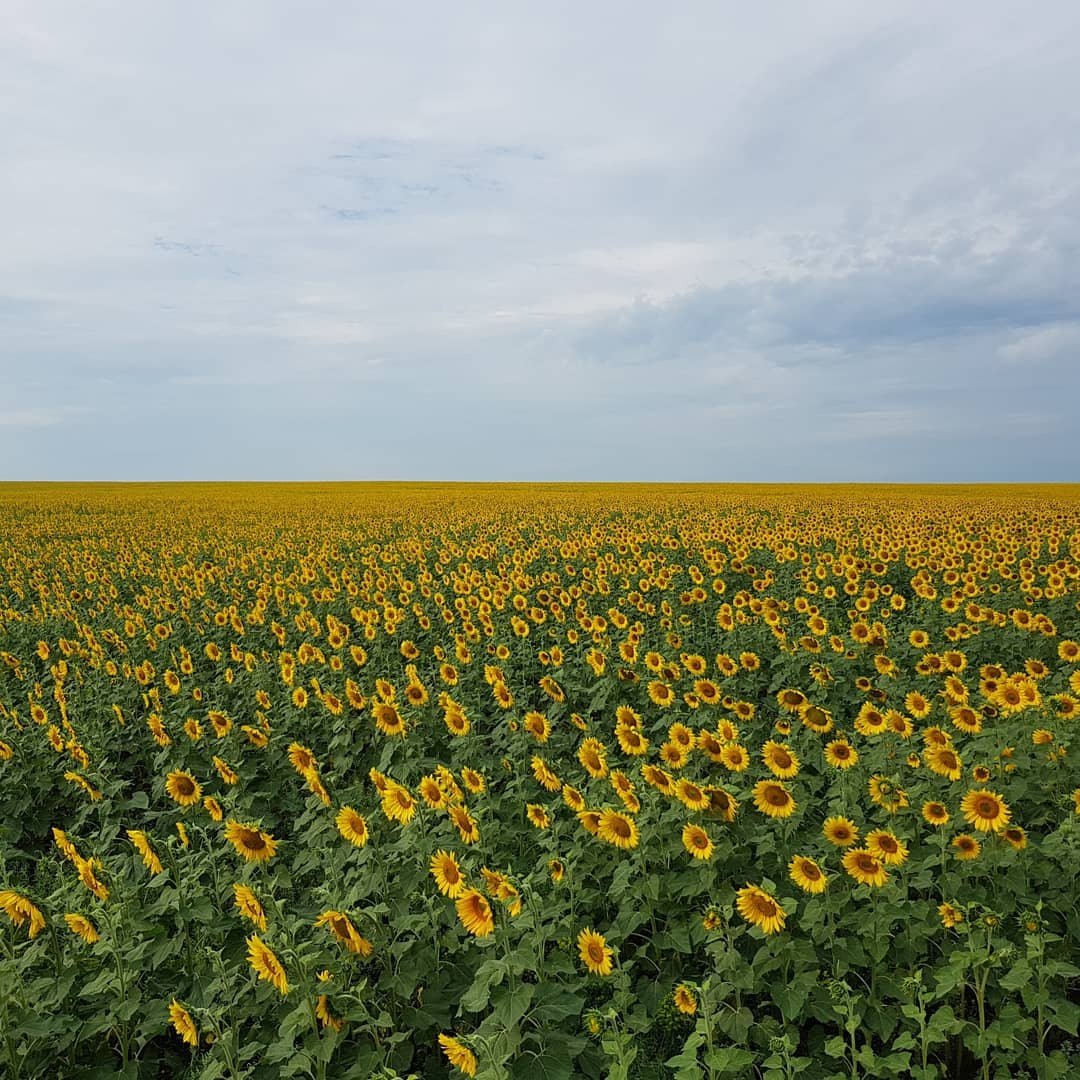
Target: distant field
377,780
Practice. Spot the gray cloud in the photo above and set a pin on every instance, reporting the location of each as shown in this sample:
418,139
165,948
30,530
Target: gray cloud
599,242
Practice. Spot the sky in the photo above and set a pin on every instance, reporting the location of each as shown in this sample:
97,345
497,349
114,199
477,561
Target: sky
521,241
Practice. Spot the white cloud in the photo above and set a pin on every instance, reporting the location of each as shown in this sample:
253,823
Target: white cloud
314,219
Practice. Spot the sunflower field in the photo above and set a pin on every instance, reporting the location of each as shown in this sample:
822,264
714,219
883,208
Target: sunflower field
545,781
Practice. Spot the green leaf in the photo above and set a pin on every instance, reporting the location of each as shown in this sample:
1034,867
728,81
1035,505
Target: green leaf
510,1003
489,974
728,1059
1019,975
836,1046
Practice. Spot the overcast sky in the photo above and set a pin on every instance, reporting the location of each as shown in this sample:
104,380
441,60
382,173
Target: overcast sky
690,241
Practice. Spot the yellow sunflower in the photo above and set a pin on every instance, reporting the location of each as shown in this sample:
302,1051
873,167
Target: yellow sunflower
966,847
985,810
887,847
807,874
182,1023
82,927
266,965
760,909
865,867
780,760
618,829
341,927
840,754
475,913
183,788
250,841
696,841
458,1054
352,826
772,798
595,952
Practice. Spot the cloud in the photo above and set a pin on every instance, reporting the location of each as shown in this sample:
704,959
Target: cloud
41,417
612,241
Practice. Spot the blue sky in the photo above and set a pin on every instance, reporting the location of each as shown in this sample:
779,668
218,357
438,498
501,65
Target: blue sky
519,241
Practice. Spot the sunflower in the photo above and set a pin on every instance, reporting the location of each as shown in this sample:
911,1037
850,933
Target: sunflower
144,848
250,842
917,705
618,829
659,779
398,803
886,794
685,999
760,909
266,965
465,824
780,760
301,758
81,926
840,754
432,793
1014,836
473,780
538,816
88,877
631,741
182,1023
691,795
865,868
458,1054
20,910
545,776
734,757
816,718
247,903
935,813
773,799
950,916
183,788
228,775
887,847
341,927
673,755
721,803
790,700
966,847
352,826
944,761
985,810
475,913
324,1016
573,798
807,874
387,719
591,755
696,841
595,952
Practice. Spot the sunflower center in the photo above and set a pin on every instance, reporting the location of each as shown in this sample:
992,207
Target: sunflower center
986,808
776,796
764,906
252,840
620,827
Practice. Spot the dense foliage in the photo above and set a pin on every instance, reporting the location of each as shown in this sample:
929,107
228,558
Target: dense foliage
392,780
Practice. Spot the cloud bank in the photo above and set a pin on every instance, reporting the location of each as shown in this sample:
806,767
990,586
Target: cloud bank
498,241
